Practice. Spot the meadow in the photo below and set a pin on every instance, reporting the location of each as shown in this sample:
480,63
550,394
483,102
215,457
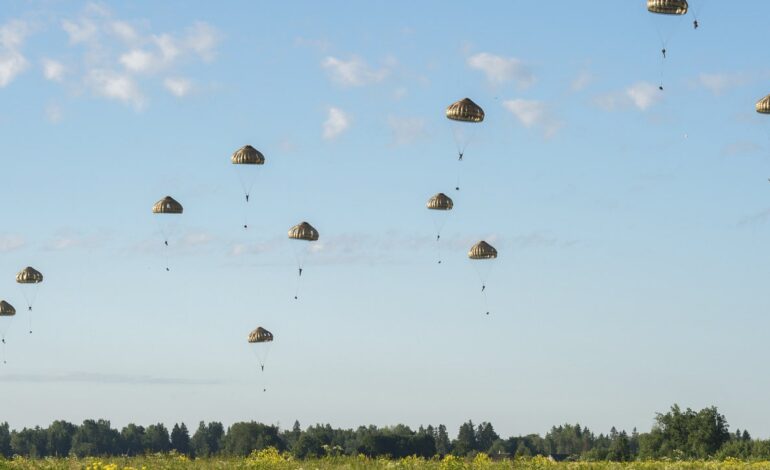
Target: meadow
271,459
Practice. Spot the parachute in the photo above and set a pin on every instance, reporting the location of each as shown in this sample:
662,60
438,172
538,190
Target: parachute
483,254
763,105
246,159
666,15
260,341
167,209
439,205
462,113
7,312
302,232
29,280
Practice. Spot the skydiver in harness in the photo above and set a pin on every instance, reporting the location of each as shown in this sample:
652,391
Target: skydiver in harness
695,24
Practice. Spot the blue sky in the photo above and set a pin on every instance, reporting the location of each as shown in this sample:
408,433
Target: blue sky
631,223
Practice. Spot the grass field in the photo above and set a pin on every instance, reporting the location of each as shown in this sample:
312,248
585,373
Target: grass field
270,459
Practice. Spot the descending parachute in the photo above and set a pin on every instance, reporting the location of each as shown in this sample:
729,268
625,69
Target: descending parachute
302,232
666,16
483,254
763,105
246,160
463,114
29,280
7,313
261,340
439,206
167,209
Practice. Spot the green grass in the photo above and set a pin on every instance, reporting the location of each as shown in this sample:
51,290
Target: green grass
270,459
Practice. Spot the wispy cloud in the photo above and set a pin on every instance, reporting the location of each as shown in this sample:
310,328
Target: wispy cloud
337,122
53,70
500,69
740,148
68,240
534,114
117,86
12,61
717,83
582,80
407,130
11,242
105,378
641,95
353,72
178,87
54,113
758,218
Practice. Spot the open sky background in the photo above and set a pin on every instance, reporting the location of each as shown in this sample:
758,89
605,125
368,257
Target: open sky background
632,224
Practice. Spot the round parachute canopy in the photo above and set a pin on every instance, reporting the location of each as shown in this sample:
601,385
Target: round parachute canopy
29,275
465,110
303,231
167,205
763,105
260,335
6,309
667,7
482,250
440,202
248,155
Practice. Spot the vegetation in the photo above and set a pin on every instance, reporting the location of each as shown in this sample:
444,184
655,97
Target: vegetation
680,439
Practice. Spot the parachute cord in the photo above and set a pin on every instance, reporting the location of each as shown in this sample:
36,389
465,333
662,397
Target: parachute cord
30,319
299,277
486,302
4,361
438,246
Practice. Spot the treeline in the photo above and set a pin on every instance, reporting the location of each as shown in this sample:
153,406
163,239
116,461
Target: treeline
677,434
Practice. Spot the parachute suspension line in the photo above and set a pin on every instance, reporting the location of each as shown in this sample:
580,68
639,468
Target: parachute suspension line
483,273
30,294
4,360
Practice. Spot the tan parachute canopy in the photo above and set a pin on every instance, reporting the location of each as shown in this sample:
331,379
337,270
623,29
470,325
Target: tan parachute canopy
6,309
763,105
667,7
465,110
303,231
29,275
167,205
260,335
440,202
482,250
248,155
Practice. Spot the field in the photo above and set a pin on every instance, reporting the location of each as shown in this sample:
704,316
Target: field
272,460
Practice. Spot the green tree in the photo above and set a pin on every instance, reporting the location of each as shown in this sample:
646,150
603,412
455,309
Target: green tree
685,434
132,439
620,450
156,438
199,446
243,438
180,439
466,440
485,437
443,444
95,438
5,440
59,437
32,442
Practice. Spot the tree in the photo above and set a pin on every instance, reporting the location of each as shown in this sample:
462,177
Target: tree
180,439
59,437
199,446
156,438
620,450
243,438
685,434
132,439
466,440
5,440
95,438
32,442
443,445
485,436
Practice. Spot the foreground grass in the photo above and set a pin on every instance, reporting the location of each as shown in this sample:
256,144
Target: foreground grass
270,459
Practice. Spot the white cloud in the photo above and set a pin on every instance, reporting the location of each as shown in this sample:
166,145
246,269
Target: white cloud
178,87
195,239
11,243
79,32
641,95
740,148
117,86
583,79
336,123
407,130
202,39
53,70
534,114
54,113
137,60
354,72
12,61
124,31
502,69
717,83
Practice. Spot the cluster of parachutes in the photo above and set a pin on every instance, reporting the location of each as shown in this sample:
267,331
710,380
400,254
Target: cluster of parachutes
29,280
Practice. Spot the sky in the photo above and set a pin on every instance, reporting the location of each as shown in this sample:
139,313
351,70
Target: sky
631,223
